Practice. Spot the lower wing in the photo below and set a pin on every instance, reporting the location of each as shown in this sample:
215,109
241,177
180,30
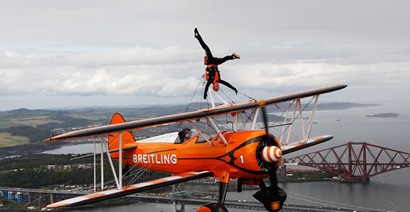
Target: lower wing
126,190
292,147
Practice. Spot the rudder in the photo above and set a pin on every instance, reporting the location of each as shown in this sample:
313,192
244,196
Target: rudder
128,141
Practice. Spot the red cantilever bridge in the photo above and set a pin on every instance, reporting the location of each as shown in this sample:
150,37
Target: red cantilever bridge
354,161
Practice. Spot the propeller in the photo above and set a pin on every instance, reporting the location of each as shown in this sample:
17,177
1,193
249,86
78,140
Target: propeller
272,197
272,170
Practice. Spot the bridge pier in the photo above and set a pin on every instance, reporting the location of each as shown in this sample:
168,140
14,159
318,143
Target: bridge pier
180,187
366,179
39,206
283,169
181,207
51,198
40,199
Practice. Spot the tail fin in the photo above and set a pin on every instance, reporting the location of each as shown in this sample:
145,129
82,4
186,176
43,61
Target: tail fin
128,141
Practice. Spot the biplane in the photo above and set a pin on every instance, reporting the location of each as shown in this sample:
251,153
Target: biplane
248,155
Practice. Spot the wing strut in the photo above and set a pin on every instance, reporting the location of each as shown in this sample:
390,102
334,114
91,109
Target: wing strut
290,103
211,93
312,116
104,149
255,117
104,146
111,163
306,129
299,105
217,131
120,162
102,164
293,121
200,133
95,167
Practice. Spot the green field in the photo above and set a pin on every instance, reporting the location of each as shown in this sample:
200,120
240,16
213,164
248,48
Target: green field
6,139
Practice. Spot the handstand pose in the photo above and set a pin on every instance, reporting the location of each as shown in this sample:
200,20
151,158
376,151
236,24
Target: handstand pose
213,75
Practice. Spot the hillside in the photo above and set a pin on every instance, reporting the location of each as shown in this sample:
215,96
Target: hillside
29,127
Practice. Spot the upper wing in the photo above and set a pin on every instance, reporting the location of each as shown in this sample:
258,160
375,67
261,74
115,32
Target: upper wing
126,190
187,116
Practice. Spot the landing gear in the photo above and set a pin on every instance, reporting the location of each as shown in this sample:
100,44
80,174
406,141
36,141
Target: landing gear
223,188
272,198
217,207
212,207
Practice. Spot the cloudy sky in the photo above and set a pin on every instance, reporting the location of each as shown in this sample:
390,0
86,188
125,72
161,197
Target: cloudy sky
98,53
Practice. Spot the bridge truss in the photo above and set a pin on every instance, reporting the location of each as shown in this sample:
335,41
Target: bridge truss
354,160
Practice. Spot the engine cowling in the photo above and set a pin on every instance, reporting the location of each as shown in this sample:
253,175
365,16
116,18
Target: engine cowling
268,152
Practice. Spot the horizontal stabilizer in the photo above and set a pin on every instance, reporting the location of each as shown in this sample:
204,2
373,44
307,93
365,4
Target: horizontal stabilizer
289,148
126,147
131,189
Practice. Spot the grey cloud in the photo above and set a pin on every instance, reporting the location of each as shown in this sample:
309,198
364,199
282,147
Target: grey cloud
147,49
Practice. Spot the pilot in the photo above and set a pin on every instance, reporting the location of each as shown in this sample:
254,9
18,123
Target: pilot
184,135
212,74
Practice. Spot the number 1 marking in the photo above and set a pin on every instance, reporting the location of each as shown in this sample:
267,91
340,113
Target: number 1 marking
242,160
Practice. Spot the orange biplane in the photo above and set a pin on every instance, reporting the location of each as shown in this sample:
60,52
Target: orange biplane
249,155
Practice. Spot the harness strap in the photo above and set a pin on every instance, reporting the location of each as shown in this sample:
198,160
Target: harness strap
216,78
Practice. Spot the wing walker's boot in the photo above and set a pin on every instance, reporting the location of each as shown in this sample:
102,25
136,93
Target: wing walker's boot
236,56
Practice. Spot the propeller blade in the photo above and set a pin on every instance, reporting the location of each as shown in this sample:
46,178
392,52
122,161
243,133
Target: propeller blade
272,197
265,121
272,176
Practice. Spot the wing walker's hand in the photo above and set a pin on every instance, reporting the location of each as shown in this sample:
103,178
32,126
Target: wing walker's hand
196,33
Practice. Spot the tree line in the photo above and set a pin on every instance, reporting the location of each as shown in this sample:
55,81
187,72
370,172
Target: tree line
29,172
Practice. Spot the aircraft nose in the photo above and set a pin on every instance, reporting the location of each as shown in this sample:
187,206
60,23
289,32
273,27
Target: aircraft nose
271,154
